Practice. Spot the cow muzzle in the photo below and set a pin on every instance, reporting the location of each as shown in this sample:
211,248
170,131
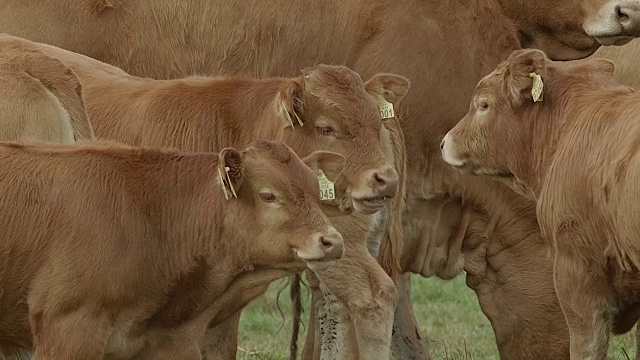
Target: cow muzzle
325,248
380,185
617,23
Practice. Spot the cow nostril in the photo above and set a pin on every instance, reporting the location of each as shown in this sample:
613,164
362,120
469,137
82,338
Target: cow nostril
325,242
620,14
379,179
442,144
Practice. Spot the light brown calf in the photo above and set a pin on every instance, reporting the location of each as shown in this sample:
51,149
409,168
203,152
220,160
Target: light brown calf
40,99
568,139
328,108
118,252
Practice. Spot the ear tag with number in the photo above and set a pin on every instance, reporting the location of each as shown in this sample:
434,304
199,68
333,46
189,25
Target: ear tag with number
386,109
327,190
536,90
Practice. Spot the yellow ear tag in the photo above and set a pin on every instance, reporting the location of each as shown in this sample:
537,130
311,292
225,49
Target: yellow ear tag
327,190
386,109
536,90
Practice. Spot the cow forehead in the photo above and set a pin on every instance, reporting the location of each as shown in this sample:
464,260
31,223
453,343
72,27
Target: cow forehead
290,176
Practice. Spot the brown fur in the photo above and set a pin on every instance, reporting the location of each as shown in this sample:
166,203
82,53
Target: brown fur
204,114
41,99
150,259
443,47
576,151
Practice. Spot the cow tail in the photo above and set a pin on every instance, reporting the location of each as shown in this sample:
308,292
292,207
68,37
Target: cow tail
296,304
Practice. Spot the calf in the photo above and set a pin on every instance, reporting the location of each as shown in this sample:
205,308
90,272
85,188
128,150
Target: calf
119,253
566,136
327,108
40,99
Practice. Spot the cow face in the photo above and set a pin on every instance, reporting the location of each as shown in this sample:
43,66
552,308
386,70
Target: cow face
275,198
331,109
573,29
484,141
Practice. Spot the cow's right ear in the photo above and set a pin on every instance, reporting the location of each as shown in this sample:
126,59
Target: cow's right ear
290,104
230,171
330,163
526,69
596,65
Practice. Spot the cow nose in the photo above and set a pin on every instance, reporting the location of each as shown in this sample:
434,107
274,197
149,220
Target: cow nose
386,181
331,243
627,15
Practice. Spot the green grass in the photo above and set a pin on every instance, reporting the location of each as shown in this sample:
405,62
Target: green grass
447,311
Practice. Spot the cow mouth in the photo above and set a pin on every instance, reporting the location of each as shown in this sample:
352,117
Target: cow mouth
616,40
320,264
471,169
369,205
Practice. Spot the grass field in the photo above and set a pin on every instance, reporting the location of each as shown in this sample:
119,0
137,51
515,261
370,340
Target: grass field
447,310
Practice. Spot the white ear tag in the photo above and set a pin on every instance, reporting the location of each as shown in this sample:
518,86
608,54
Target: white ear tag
327,190
386,109
286,113
224,187
536,90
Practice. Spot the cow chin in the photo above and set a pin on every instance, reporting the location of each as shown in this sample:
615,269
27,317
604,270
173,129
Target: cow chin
614,40
319,265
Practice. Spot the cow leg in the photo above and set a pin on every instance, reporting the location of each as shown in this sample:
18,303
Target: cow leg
406,342
221,341
360,285
583,293
79,335
337,341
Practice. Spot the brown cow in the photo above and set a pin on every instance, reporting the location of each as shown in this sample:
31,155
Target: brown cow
329,108
444,47
40,103
119,252
572,139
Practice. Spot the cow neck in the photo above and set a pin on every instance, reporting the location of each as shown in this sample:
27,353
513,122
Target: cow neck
549,121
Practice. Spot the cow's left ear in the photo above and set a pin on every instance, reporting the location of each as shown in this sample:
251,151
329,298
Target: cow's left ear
391,87
330,163
526,75
230,171
290,104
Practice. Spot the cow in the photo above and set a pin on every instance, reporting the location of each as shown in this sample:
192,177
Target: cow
113,251
572,140
452,221
41,103
329,107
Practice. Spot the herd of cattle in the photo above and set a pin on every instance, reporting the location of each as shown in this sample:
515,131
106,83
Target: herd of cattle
164,161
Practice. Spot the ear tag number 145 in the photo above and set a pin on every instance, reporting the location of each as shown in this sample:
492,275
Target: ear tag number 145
327,190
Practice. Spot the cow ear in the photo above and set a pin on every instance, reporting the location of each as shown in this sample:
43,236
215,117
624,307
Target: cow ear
390,87
290,104
597,65
330,163
526,75
230,171
313,84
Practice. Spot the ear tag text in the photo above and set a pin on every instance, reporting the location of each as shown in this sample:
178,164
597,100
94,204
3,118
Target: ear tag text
386,109
327,190
536,90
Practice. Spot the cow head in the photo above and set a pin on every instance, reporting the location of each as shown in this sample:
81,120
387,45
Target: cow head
508,120
573,29
274,202
330,108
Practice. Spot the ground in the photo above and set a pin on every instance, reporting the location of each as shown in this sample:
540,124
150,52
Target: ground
448,310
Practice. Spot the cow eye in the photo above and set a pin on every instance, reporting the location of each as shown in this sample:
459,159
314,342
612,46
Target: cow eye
483,105
268,197
325,130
